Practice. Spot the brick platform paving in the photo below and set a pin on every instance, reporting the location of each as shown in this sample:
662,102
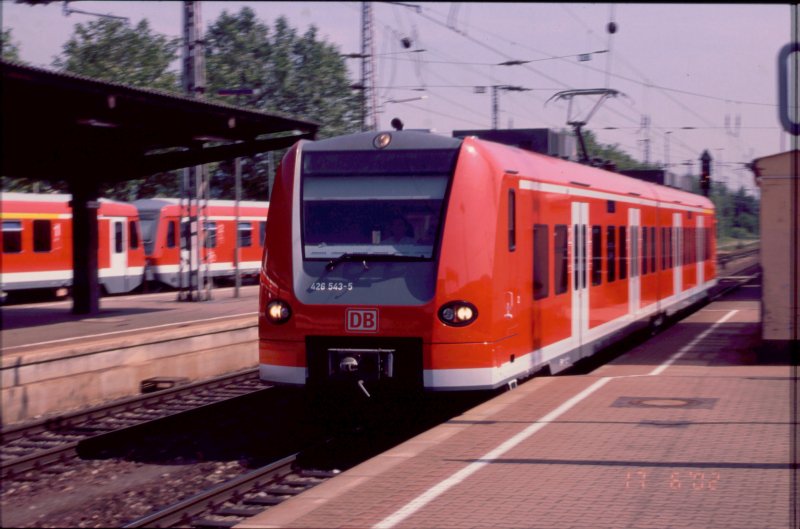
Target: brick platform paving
679,432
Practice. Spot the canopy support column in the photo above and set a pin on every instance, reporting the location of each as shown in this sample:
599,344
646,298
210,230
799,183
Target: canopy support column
85,282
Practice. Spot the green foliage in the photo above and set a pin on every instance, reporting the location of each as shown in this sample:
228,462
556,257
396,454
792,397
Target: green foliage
290,74
10,48
611,153
27,185
737,213
112,50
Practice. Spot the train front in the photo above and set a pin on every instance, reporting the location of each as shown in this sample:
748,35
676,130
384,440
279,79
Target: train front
348,282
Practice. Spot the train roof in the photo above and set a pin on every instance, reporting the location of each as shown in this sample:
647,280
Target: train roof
48,197
528,164
406,139
159,203
548,169
35,197
59,201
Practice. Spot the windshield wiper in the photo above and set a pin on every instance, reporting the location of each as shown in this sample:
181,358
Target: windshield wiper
364,257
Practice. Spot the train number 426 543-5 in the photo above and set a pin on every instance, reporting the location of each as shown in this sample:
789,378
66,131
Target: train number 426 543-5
335,286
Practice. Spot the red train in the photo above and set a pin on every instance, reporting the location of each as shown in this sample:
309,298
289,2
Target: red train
460,264
135,240
161,218
37,244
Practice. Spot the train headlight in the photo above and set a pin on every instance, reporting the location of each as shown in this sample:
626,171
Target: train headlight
278,311
458,313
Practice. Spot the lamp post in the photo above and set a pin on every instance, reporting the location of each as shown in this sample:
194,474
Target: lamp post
237,165
397,101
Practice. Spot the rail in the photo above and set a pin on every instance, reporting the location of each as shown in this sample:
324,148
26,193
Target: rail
746,250
37,444
242,497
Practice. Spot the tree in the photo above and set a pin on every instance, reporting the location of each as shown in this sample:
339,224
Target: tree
611,153
289,74
10,48
112,50
737,213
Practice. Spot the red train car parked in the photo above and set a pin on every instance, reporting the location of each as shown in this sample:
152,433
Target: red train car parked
161,218
461,264
37,244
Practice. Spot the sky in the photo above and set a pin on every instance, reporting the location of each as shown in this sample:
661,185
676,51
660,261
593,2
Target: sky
688,77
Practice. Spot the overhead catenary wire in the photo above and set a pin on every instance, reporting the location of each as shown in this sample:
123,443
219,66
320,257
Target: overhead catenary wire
473,34
647,83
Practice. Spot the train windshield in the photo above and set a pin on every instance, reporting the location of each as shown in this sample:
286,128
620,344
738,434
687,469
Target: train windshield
374,203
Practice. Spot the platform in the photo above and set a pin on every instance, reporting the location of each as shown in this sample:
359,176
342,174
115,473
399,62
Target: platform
54,361
691,429
37,325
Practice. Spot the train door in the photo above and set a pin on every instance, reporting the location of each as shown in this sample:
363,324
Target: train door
677,254
634,280
580,292
512,296
699,249
118,251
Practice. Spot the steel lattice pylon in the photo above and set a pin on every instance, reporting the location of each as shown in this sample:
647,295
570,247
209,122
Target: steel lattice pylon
368,101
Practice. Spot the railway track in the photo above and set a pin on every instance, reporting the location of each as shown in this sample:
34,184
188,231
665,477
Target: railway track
726,256
42,444
229,503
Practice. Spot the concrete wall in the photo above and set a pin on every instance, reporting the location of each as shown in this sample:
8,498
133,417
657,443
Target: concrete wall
780,260
65,378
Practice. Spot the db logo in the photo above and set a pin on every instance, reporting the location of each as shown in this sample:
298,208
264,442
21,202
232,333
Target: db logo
361,320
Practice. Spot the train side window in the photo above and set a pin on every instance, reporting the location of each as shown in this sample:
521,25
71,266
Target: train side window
576,257
663,248
684,243
12,236
512,220
133,234
623,252
644,250
541,260
262,229
118,238
611,253
688,242
684,253
171,229
669,247
210,229
597,255
42,236
653,247
245,234
561,258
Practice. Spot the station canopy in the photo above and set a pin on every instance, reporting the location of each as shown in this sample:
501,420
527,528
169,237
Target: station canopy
59,126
